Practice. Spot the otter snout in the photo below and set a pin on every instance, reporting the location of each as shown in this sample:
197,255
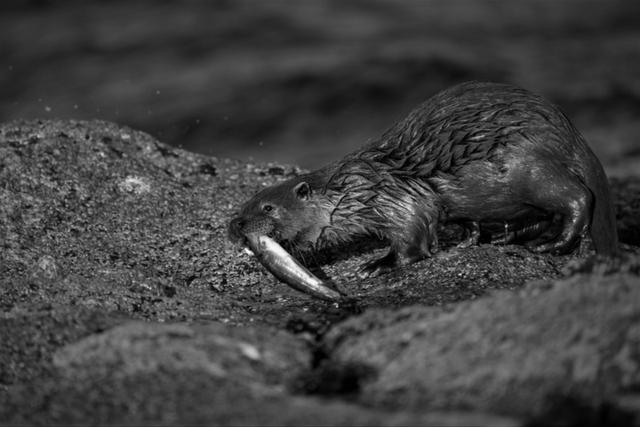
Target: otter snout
240,227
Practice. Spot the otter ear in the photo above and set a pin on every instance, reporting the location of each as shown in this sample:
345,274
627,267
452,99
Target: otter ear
302,191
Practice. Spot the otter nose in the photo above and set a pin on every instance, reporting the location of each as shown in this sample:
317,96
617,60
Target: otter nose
235,227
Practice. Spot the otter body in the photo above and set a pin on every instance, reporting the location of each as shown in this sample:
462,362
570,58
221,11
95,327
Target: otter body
501,161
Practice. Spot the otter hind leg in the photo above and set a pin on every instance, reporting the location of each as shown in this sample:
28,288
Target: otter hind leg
573,203
575,224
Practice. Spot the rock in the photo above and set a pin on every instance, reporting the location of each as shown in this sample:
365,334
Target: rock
152,373
509,353
29,338
257,355
108,218
122,301
188,397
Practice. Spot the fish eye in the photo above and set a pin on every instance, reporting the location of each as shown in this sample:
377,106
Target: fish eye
267,208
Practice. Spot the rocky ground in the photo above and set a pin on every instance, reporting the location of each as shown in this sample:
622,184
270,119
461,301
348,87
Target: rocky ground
122,302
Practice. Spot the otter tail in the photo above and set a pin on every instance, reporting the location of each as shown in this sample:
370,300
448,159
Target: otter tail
604,233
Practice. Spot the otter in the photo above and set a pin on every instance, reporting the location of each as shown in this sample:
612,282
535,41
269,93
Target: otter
501,162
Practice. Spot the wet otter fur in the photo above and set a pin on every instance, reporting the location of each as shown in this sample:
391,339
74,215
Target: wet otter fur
499,160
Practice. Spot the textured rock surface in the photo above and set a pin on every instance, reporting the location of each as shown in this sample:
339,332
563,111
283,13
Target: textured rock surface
123,302
509,353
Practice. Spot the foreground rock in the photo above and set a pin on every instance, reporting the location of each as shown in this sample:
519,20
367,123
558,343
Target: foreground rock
514,353
123,302
146,373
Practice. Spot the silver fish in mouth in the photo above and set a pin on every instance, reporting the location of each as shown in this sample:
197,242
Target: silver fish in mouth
287,269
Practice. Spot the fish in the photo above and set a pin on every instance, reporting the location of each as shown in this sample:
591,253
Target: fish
287,269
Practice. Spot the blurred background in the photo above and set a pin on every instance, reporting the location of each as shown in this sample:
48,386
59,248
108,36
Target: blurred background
307,81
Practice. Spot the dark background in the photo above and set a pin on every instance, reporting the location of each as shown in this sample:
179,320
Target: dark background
306,82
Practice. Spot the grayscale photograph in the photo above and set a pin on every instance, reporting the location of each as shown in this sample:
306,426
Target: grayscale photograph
320,213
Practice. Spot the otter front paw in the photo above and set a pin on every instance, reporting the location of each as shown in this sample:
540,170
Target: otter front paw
472,232
379,266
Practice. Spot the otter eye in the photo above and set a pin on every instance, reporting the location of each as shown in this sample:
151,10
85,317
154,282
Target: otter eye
267,208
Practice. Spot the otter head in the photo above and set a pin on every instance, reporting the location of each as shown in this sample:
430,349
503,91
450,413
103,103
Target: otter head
291,213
